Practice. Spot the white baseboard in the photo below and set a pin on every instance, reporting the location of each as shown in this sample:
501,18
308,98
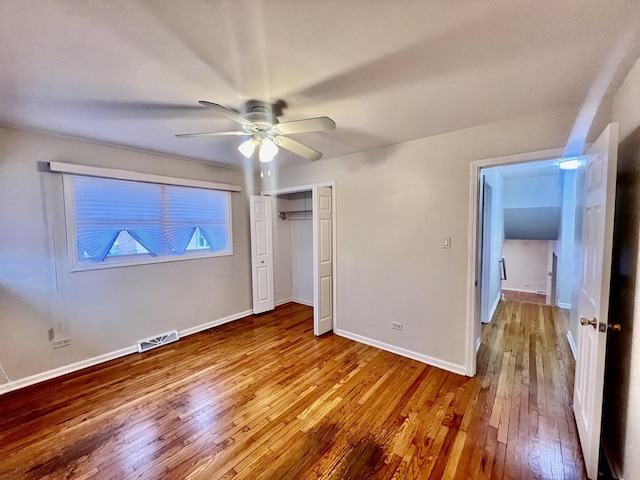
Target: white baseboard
301,301
58,372
525,290
282,302
478,343
572,345
90,362
495,306
435,362
308,303
214,323
564,305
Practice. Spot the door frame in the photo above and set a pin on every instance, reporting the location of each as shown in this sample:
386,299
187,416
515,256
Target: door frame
473,278
306,188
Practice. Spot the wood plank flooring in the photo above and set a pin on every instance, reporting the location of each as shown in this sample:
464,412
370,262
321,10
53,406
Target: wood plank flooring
262,398
524,296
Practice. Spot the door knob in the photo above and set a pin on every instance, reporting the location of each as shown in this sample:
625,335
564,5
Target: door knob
585,322
616,327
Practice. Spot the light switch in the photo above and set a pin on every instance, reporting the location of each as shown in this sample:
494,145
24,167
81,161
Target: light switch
446,242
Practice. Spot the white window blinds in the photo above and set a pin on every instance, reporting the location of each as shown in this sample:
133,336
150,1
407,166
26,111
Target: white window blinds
189,208
161,218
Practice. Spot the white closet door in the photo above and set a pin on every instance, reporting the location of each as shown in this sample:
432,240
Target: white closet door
323,260
261,253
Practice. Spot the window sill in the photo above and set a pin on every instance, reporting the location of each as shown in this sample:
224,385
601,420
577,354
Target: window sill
130,262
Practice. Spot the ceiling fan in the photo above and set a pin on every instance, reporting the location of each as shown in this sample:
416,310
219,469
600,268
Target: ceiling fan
266,132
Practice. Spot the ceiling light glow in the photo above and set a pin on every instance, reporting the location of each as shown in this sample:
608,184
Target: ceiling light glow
247,148
570,163
268,150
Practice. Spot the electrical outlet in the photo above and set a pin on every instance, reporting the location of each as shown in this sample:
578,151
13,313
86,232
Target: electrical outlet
61,342
396,325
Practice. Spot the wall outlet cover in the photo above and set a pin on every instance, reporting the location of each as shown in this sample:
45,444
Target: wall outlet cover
61,342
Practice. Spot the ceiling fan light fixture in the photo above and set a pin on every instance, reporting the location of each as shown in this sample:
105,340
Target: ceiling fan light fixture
268,150
247,148
267,133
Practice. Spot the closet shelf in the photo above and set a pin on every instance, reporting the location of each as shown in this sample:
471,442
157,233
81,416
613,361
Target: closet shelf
296,215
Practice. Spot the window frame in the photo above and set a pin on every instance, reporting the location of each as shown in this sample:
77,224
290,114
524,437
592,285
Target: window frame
76,265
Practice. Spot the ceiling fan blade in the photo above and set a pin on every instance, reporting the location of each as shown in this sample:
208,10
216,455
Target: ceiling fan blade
297,148
307,125
226,112
209,134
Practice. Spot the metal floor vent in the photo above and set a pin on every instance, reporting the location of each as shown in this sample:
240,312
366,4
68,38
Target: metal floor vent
157,341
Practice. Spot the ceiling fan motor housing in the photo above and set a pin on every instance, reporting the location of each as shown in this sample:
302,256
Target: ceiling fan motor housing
261,114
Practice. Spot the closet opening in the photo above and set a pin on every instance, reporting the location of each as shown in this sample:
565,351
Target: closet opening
293,249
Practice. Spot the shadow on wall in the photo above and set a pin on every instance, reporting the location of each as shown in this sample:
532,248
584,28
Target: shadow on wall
621,303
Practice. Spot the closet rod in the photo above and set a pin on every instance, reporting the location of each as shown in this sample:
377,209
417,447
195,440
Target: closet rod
292,213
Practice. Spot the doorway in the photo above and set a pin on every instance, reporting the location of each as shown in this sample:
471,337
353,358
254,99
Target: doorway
302,222
593,208
481,171
293,248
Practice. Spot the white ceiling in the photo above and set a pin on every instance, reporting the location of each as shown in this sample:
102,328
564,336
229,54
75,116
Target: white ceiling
131,72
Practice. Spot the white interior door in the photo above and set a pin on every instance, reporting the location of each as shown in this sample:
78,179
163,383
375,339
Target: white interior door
323,260
597,242
486,260
261,221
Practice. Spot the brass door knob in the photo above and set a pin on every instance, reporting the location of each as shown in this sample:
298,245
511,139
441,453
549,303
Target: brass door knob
616,327
585,322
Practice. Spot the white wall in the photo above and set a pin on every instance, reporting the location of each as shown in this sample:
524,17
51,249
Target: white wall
566,279
281,251
538,191
526,265
576,256
558,190
394,205
302,251
533,206
626,103
626,111
100,310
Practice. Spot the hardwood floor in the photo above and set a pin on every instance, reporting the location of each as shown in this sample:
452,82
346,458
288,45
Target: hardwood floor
262,398
524,296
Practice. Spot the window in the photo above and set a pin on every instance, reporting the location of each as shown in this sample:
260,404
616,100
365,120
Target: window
114,222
